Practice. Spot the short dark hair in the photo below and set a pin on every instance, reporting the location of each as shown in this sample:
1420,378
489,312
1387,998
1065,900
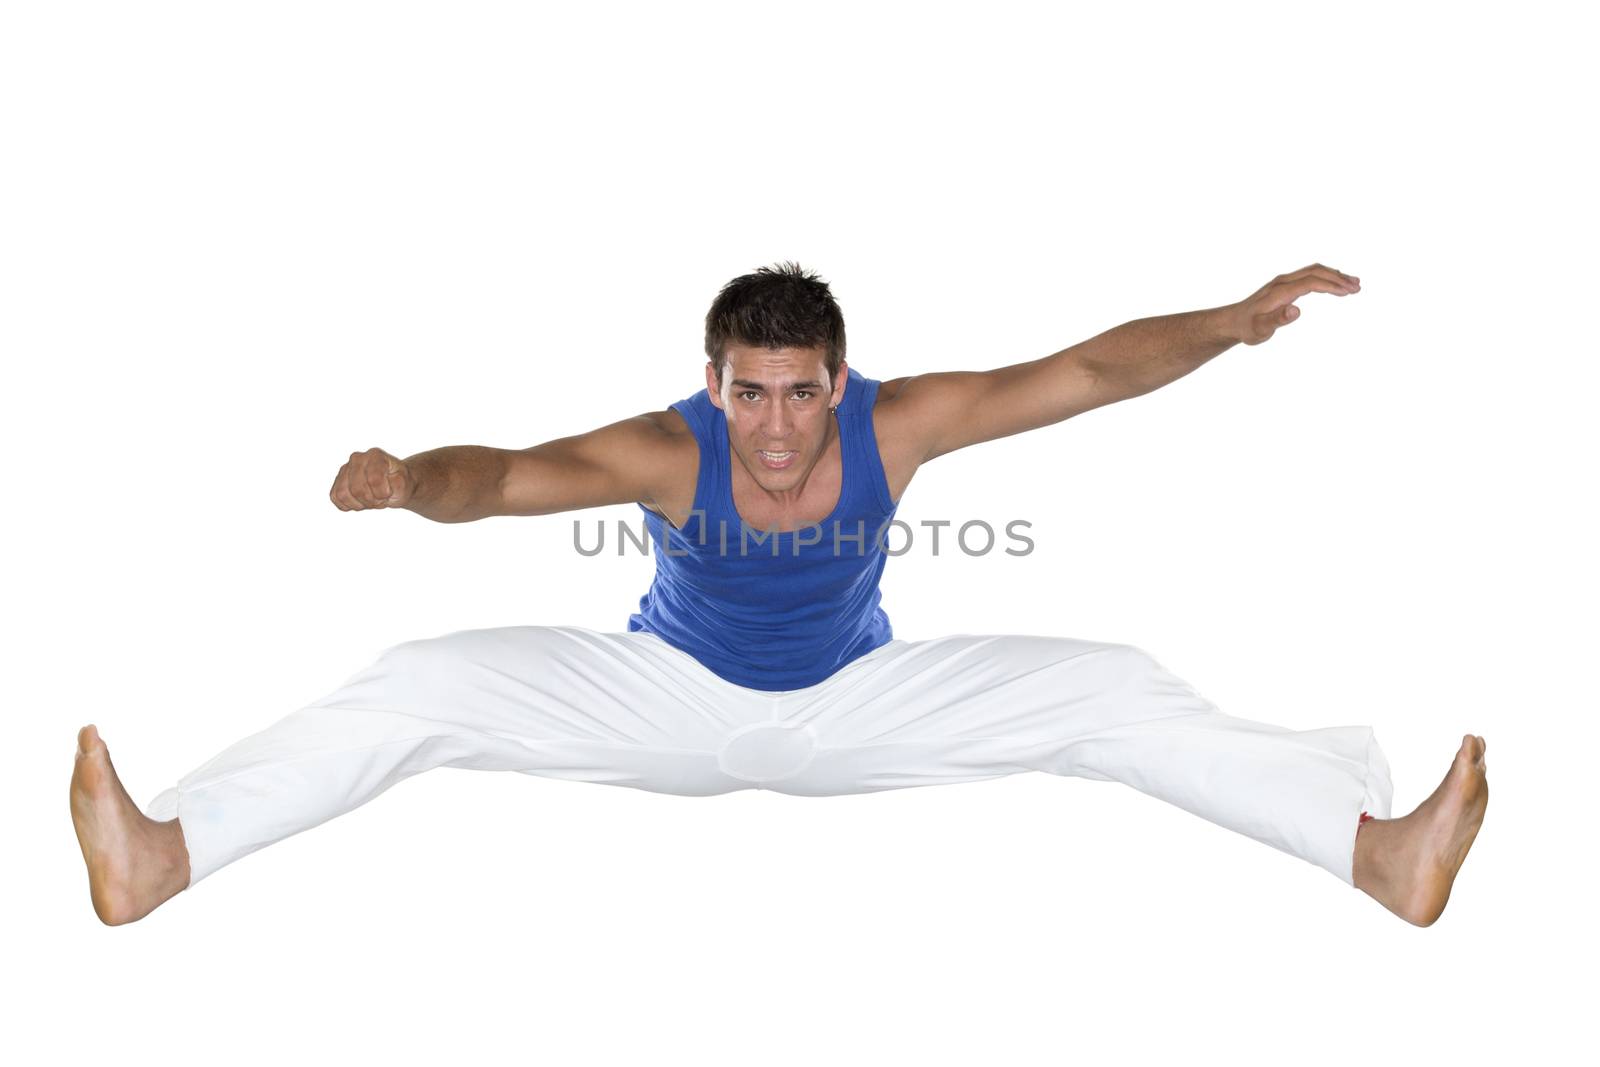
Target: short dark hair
783,306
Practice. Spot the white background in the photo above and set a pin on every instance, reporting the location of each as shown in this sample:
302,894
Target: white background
241,242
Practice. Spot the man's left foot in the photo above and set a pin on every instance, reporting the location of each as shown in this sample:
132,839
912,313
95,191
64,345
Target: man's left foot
1409,864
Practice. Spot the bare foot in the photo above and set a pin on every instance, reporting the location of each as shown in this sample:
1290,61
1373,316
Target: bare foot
135,863
1409,864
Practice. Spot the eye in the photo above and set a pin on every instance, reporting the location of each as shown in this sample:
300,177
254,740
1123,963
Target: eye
803,393
750,393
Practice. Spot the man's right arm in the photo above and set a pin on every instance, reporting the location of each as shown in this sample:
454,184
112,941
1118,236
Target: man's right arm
645,459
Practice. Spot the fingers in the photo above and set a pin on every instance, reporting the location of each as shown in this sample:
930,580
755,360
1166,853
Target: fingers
374,479
1272,306
1314,284
340,493
1336,281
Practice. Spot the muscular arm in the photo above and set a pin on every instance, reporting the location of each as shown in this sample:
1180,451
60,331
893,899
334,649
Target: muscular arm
641,459
931,414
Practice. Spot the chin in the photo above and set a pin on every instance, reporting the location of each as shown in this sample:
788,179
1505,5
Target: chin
775,481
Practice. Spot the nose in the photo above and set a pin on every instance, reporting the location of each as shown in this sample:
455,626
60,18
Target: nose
778,423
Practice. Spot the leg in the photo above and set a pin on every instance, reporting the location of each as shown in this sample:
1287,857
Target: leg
966,707
562,702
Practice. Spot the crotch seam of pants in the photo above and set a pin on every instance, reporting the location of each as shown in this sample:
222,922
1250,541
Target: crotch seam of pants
779,751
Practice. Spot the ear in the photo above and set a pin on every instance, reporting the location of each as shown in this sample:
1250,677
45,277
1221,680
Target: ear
840,380
713,387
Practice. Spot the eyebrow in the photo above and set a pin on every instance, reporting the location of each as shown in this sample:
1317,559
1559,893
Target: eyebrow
743,384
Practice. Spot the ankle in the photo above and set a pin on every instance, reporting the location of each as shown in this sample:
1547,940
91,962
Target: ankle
173,854
1368,870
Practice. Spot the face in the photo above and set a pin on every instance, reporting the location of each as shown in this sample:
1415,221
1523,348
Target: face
776,402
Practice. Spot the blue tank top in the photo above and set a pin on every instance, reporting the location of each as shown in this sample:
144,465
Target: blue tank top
773,611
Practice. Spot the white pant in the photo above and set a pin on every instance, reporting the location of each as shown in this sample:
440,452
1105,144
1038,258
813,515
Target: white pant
629,709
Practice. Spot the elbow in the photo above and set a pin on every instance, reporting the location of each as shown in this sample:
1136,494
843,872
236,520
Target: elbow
1109,384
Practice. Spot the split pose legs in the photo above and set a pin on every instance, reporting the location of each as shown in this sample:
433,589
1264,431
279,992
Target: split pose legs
628,709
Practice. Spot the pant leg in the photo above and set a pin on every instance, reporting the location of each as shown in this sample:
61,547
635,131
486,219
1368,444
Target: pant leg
965,708
560,702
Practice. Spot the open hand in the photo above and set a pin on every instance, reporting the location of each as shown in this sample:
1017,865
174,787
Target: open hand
372,479
1258,316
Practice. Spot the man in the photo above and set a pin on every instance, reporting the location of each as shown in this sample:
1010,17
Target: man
760,657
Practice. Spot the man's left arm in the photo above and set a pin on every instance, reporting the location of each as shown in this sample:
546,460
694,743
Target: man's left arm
950,410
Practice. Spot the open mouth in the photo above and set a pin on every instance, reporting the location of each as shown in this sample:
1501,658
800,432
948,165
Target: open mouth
777,460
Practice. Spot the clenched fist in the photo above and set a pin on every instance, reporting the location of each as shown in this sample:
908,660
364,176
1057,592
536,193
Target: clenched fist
372,479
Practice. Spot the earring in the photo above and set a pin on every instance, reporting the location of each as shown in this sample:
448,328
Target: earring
833,411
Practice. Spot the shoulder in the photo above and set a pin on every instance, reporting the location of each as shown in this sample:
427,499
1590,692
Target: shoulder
889,409
899,407
667,425
890,389
918,415
665,442
894,431
674,461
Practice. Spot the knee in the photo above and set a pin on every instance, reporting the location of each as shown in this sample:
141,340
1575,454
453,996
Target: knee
427,657
1108,662
1137,671
418,650
1128,665
1132,657
510,650
1112,654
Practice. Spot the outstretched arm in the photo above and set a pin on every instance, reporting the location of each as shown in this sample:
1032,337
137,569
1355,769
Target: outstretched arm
942,412
634,460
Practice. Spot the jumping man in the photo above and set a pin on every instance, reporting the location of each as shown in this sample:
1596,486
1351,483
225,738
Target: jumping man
760,657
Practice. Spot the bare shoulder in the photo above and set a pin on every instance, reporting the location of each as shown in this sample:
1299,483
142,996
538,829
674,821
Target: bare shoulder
888,410
930,414
672,427
906,402
654,440
899,423
675,459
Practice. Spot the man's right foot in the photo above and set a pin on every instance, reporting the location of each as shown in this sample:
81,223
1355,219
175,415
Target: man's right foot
1409,864
135,863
